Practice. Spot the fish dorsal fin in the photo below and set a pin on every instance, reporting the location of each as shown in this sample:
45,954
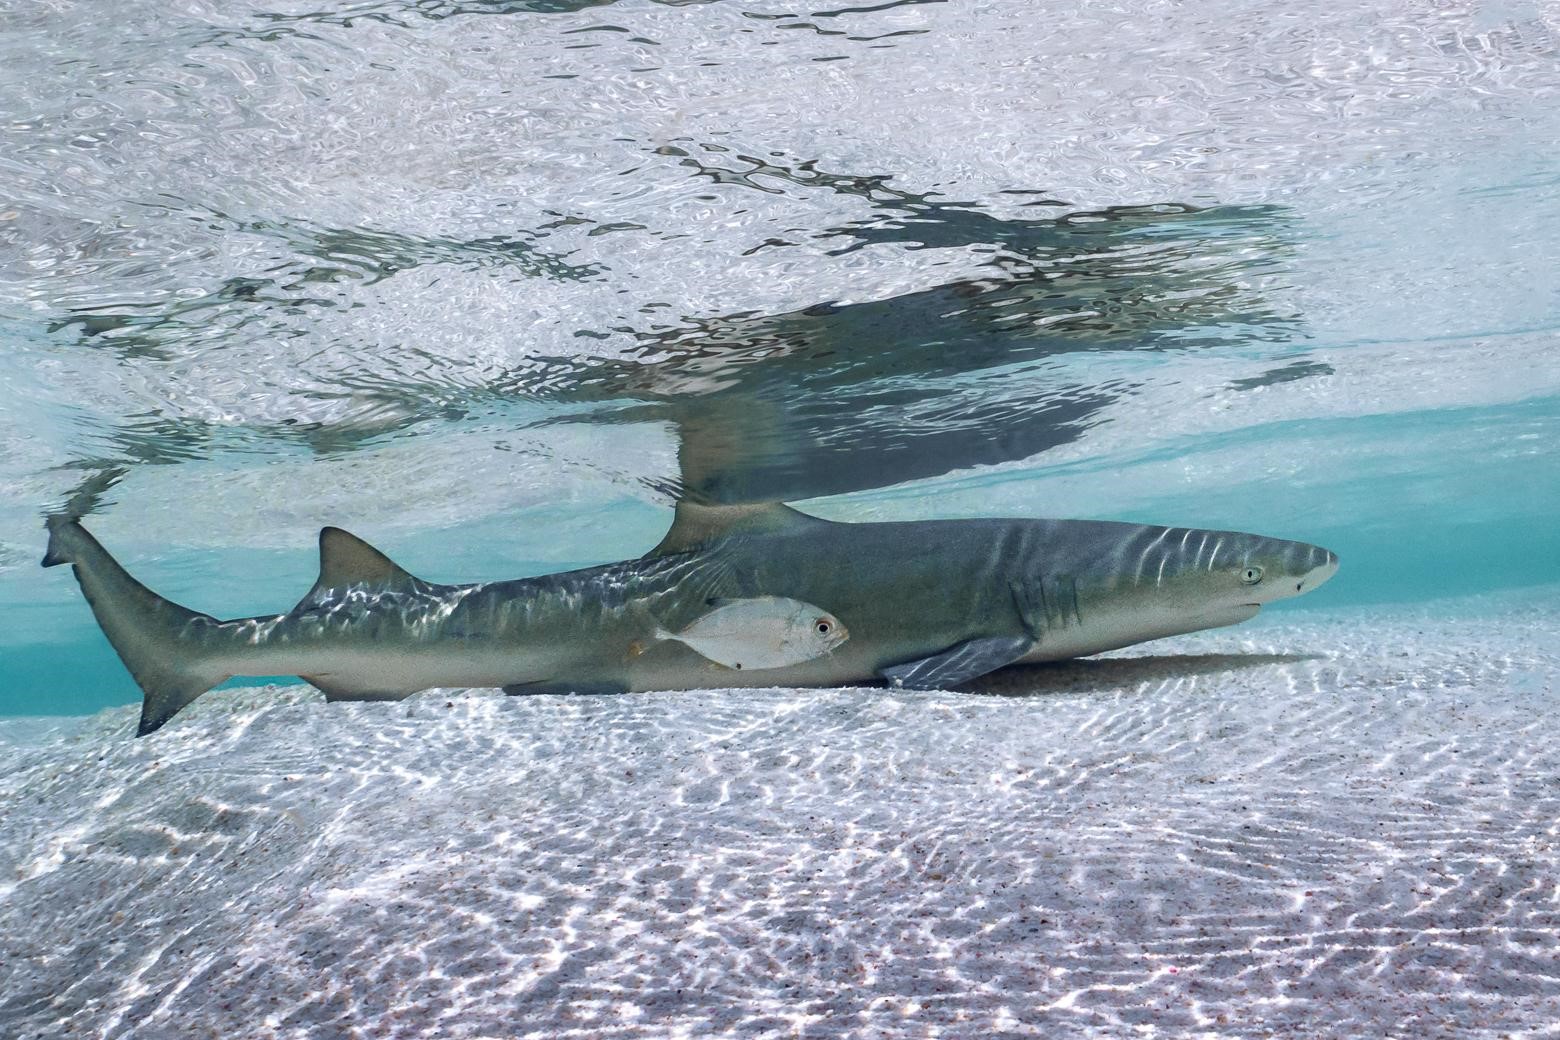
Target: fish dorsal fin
346,560
696,524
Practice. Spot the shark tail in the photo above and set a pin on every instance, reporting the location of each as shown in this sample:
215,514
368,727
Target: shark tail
172,652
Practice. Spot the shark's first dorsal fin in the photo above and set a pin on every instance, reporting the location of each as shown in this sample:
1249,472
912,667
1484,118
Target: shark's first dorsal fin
346,560
696,524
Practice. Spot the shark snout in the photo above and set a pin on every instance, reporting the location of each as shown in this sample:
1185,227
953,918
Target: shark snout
1323,565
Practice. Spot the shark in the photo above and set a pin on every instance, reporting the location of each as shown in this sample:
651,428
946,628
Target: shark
929,604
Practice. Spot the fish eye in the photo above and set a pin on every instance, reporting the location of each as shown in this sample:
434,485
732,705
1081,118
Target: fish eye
1251,575
823,627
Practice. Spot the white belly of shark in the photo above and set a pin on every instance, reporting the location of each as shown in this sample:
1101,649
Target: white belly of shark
919,605
1113,631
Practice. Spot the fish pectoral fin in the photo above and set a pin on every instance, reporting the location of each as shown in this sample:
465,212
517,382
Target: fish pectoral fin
957,664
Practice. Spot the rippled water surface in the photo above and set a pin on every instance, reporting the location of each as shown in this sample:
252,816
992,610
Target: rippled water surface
492,283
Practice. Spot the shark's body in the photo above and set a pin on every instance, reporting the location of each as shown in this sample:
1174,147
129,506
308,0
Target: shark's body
927,603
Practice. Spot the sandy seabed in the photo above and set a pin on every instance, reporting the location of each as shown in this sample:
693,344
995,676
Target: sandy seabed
1317,824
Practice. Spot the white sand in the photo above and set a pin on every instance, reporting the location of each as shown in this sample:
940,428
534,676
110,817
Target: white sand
1360,843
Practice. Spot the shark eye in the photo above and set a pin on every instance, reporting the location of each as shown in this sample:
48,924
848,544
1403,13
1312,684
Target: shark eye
822,626
1251,575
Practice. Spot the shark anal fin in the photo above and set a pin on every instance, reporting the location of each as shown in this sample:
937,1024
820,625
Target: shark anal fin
957,664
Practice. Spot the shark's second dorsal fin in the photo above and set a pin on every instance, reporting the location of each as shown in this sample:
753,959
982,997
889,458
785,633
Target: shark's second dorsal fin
696,524
346,560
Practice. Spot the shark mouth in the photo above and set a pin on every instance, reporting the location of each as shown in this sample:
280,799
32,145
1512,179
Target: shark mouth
1232,615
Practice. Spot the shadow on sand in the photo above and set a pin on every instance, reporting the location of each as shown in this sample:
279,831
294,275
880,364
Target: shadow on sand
1101,675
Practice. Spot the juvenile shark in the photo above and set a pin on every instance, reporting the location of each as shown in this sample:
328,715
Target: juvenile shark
928,604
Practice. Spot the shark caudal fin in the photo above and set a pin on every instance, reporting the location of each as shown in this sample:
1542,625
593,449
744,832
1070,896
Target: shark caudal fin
172,652
57,552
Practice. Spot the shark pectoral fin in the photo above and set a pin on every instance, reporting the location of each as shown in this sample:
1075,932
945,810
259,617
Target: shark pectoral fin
958,664
347,560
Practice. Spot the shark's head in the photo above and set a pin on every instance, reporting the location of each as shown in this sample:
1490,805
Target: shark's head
1133,583
1222,577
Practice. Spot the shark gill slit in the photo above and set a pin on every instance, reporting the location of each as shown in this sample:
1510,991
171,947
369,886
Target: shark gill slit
1006,549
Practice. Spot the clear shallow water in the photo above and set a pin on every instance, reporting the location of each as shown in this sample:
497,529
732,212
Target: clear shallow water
1221,837
490,284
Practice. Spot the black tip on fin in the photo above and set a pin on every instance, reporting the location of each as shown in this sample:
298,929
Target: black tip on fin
165,694
150,723
56,553
84,500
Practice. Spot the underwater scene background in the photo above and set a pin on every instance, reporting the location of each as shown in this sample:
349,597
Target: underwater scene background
492,283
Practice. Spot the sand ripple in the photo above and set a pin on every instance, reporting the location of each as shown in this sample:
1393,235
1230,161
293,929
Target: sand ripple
1321,825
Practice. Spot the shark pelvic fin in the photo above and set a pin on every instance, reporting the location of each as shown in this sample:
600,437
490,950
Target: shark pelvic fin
335,691
347,560
695,524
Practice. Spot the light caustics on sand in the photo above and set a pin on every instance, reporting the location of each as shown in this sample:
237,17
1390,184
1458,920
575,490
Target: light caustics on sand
1219,835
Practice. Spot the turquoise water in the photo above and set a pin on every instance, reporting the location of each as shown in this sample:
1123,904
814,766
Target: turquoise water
491,285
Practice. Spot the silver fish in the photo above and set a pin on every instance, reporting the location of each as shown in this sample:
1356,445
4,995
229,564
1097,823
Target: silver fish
762,632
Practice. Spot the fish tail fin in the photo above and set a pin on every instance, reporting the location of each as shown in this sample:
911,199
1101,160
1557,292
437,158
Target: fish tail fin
174,654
